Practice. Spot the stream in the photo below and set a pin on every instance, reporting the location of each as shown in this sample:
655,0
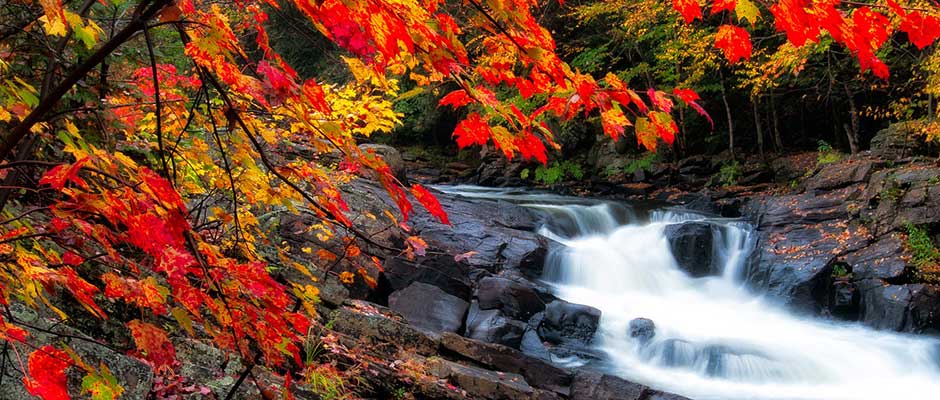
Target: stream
714,338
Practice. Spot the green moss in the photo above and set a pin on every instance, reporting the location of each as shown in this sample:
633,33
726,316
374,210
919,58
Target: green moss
925,256
827,155
728,175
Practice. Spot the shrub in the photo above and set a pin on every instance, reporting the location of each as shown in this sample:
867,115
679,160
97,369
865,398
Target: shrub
925,256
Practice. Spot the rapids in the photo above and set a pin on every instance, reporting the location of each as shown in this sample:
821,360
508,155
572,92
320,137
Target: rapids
714,338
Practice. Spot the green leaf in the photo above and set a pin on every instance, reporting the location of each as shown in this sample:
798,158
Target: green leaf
102,385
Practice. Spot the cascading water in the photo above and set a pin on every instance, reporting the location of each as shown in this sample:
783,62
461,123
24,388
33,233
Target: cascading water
714,339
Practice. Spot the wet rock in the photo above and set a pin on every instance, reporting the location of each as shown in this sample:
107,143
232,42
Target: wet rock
537,373
441,271
793,264
479,382
569,323
691,245
883,259
642,329
844,300
588,385
533,262
516,299
532,345
905,308
429,307
376,324
492,326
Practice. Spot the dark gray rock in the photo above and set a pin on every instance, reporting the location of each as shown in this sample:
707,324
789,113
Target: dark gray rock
492,326
437,270
841,174
908,194
391,156
589,385
429,307
517,299
642,329
905,308
691,244
537,373
569,323
845,300
532,345
883,259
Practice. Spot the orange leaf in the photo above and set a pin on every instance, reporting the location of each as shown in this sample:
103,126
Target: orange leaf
734,42
46,377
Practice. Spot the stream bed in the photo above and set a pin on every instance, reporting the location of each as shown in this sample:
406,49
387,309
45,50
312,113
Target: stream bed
713,338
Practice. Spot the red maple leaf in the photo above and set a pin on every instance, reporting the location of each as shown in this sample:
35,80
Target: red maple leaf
472,130
46,377
689,9
734,42
429,202
922,30
456,99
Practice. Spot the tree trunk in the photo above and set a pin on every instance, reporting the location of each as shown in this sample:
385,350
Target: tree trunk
758,128
778,141
724,99
852,131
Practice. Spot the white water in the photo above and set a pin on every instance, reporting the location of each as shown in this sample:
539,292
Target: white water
714,339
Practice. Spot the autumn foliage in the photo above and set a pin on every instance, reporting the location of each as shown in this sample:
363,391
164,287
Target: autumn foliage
177,152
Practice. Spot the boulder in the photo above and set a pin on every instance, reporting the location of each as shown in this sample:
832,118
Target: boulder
537,373
429,307
492,326
373,323
691,244
886,258
841,174
516,299
844,300
479,382
898,140
437,270
589,385
569,323
905,308
904,195
642,329
391,156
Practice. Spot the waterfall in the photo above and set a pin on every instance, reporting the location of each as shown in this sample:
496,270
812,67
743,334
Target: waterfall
714,339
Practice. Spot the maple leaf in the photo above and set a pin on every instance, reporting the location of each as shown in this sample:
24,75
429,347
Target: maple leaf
922,30
46,378
530,146
722,5
734,42
456,99
58,176
472,130
659,99
152,344
689,97
429,202
689,9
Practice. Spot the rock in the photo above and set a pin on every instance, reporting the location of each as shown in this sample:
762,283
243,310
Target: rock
691,245
844,300
391,156
479,382
642,329
883,259
569,323
374,324
515,299
441,271
905,308
532,345
589,385
899,196
533,262
898,140
429,307
840,174
492,326
805,208
537,373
